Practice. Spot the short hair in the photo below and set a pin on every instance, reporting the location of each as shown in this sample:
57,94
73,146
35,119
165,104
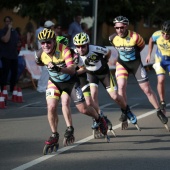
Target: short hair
8,18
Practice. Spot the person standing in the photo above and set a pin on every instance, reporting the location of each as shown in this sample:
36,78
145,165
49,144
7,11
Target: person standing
129,45
74,28
29,36
40,28
9,40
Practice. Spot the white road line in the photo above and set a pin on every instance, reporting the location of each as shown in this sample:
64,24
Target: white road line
28,105
101,107
43,158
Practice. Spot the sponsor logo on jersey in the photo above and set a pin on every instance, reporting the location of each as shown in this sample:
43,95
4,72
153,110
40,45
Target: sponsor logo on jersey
57,54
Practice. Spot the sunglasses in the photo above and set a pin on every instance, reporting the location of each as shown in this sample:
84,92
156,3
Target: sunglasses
119,28
47,42
166,34
81,46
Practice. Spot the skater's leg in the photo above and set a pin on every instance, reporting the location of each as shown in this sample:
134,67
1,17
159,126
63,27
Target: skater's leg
66,101
161,87
122,84
150,94
52,115
90,111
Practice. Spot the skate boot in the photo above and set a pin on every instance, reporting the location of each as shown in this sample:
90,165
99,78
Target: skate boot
163,118
51,145
103,127
132,118
163,107
96,131
109,124
69,136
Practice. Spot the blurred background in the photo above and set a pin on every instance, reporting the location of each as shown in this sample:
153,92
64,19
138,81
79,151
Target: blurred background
145,16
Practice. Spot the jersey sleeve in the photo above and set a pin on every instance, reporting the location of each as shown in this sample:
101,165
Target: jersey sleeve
139,40
156,35
68,57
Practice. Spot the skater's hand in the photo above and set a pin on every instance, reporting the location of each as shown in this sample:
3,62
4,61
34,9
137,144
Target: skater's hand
124,125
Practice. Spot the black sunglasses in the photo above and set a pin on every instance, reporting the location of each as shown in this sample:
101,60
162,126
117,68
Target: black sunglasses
47,42
119,28
80,46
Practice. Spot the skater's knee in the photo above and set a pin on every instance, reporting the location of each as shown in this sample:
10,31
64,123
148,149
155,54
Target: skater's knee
147,90
51,108
82,108
114,96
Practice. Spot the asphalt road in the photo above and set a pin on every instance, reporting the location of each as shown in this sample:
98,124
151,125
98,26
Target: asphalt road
24,128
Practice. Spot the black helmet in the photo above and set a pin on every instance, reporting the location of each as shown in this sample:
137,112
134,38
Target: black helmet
166,26
121,19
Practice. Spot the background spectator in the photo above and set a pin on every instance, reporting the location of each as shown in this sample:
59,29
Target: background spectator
74,28
58,30
29,36
49,24
9,53
40,28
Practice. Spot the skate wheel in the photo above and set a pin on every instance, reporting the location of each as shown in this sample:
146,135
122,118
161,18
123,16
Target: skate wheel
138,128
113,132
55,148
94,134
166,126
107,138
45,150
65,142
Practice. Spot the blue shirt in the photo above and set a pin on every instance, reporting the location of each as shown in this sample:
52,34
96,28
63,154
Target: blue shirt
74,29
9,49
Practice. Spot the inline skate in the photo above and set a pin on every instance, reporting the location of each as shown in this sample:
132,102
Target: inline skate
127,114
163,118
51,145
69,136
109,124
100,128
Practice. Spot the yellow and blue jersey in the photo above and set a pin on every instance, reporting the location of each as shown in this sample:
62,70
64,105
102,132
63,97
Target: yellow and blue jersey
62,58
163,46
129,46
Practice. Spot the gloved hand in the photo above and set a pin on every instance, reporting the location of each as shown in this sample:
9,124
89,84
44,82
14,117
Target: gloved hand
38,57
76,58
55,67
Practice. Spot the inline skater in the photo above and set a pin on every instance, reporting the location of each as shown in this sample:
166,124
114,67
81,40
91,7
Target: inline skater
58,60
162,59
129,45
85,86
95,60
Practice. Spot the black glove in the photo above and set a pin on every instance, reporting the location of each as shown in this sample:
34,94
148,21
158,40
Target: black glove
38,57
56,68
